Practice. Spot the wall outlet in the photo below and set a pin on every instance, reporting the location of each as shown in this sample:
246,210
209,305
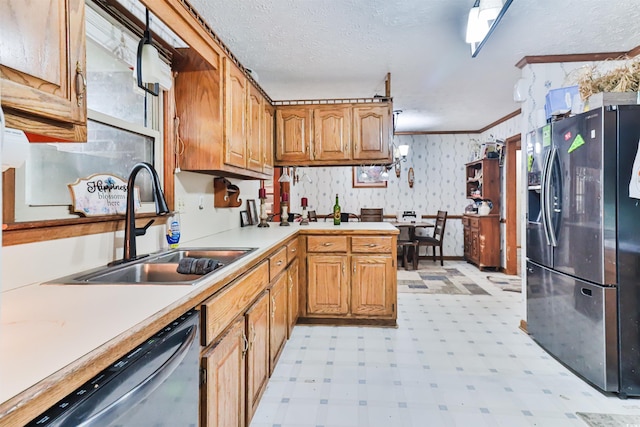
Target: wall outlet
180,204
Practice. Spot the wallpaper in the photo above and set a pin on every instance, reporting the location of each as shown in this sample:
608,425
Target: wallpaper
438,163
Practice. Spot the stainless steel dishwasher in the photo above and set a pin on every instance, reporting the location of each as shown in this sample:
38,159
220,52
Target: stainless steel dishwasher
156,384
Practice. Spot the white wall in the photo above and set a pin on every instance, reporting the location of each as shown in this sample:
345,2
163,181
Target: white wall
41,261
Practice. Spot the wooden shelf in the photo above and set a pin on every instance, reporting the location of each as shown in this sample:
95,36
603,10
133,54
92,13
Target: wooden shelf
225,194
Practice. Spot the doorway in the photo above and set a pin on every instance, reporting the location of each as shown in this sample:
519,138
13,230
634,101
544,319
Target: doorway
513,160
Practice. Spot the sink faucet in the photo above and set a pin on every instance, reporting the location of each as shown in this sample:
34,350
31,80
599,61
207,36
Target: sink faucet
130,230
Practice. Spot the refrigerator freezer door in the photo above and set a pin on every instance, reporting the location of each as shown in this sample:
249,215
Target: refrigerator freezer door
538,150
576,199
576,322
628,247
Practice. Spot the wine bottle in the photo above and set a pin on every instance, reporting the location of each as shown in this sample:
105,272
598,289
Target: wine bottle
336,212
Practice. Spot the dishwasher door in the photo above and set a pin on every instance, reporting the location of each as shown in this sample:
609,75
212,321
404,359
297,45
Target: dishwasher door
156,384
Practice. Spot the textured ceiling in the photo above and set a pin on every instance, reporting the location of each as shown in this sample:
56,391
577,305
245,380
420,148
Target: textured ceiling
307,49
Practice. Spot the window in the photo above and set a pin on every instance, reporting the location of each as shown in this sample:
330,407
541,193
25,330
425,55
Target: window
123,129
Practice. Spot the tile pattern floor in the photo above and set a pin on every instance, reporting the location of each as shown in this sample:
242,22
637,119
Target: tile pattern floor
453,360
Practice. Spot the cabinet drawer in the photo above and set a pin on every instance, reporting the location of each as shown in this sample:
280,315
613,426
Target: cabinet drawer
219,310
474,222
292,250
369,244
327,244
277,262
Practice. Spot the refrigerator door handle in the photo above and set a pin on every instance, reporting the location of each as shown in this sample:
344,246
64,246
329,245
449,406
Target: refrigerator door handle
547,199
544,196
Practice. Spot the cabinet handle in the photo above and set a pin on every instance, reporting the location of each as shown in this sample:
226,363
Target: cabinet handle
273,307
372,245
355,147
245,343
343,269
354,269
327,244
253,336
279,263
294,249
81,84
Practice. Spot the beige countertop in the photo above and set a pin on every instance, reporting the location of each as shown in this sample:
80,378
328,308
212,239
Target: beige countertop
47,332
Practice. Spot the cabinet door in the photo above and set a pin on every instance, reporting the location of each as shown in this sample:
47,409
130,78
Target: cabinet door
235,88
467,242
371,126
294,294
279,300
293,134
254,129
332,133
474,255
224,388
43,63
268,138
258,354
328,284
372,285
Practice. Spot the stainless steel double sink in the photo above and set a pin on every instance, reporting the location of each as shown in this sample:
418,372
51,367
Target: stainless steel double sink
155,269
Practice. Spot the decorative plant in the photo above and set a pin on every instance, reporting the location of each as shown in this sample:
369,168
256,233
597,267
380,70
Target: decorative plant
622,79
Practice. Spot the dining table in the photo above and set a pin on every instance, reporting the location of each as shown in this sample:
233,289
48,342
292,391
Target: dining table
410,247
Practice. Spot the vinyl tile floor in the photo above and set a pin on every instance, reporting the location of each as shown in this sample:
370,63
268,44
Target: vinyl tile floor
453,360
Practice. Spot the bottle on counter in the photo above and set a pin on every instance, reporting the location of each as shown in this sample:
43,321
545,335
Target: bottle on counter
336,212
173,230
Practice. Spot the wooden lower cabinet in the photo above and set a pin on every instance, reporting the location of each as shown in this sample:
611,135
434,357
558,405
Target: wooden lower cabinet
294,295
279,318
372,285
258,358
482,240
328,285
351,278
223,402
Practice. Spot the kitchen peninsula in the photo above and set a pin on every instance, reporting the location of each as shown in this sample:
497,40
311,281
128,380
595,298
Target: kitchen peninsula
48,349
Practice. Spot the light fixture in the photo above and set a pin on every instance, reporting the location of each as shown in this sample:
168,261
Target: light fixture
400,152
148,64
476,28
488,10
484,17
285,177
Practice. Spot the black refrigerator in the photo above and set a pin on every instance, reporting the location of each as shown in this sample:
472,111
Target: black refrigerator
583,245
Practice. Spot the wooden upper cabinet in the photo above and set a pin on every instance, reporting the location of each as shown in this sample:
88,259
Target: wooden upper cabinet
43,67
293,134
371,128
268,138
235,108
255,115
341,134
332,133
198,91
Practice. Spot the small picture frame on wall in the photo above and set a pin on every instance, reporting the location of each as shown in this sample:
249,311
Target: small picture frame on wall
368,177
244,219
252,211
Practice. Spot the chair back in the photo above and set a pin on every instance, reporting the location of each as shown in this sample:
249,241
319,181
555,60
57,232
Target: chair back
371,215
438,229
346,216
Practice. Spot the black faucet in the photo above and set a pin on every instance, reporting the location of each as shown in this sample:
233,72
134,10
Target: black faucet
130,230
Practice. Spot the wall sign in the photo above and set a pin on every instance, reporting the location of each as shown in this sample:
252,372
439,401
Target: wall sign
101,194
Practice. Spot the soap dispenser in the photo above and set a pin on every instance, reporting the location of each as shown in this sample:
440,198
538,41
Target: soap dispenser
173,230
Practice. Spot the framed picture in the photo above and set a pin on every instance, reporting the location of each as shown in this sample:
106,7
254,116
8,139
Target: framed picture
244,219
252,212
368,177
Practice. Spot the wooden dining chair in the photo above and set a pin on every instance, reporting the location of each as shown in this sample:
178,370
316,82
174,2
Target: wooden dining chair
371,215
434,241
